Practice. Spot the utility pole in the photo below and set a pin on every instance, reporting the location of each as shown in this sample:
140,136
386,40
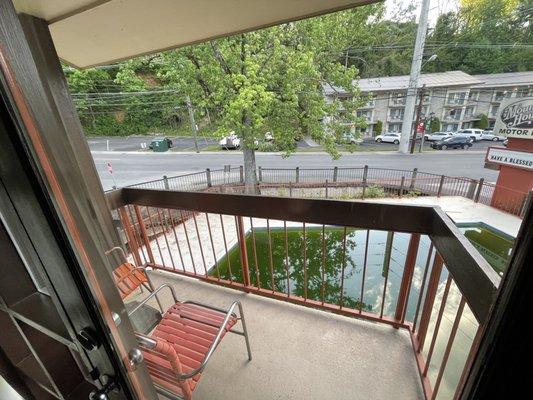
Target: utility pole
417,120
194,127
416,66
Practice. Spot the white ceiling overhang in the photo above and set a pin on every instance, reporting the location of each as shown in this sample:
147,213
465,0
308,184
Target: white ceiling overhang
88,33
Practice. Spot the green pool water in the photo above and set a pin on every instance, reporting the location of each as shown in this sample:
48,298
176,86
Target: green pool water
385,262
493,245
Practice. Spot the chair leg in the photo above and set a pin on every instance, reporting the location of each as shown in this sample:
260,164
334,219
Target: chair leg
245,331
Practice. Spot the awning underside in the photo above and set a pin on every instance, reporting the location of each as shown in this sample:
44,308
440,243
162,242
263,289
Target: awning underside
89,33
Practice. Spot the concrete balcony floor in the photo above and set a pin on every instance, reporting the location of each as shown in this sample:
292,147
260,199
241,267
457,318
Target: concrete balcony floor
300,353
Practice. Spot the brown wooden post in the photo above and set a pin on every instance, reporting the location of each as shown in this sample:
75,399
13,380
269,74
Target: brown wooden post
243,251
405,286
144,233
431,293
132,242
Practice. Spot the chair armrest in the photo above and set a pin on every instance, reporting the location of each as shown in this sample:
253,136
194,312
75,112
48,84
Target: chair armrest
152,295
213,346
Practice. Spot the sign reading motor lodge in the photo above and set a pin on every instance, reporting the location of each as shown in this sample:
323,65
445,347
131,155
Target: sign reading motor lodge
515,118
512,158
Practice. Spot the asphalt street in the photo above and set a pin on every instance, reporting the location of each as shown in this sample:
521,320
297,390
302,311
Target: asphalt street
135,167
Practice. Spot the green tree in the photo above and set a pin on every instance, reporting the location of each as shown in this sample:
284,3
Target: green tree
434,125
272,80
378,128
483,122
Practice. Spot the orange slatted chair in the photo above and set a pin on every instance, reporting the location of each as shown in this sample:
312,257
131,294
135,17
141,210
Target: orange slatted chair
180,346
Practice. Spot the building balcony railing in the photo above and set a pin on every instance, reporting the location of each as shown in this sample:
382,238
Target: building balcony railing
395,117
321,254
397,102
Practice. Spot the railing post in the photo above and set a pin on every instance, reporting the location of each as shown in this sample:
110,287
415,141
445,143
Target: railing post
402,183
478,191
441,184
471,189
165,182
132,241
290,189
326,188
208,177
407,278
260,174
365,175
243,251
241,174
144,233
335,173
297,174
413,178
431,293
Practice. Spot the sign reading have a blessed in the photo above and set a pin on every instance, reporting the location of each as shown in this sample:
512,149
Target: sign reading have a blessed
515,118
512,158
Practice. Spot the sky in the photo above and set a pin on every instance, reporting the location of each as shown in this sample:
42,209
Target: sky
436,7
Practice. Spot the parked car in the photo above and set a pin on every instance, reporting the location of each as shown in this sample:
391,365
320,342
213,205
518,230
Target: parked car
454,142
476,134
169,143
505,142
489,135
436,136
230,142
349,138
391,137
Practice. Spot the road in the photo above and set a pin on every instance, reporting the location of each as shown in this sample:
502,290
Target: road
132,167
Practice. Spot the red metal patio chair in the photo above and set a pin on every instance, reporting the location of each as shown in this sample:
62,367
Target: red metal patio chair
129,277
183,341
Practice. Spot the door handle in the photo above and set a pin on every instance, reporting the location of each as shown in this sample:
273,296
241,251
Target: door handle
136,357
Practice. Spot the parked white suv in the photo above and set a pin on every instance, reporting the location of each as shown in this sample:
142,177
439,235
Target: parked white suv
476,134
390,137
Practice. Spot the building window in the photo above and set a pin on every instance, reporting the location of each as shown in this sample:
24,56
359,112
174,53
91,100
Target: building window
453,114
524,93
395,128
501,95
468,125
494,110
396,114
398,98
451,127
456,98
366,114
473,95
469,112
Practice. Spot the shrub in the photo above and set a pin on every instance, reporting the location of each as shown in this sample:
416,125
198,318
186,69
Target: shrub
378,128
434,125
373,192
482,123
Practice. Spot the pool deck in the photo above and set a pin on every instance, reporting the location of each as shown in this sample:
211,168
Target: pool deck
300,353
462,210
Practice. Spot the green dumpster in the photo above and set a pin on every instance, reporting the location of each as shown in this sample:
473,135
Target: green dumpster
159,145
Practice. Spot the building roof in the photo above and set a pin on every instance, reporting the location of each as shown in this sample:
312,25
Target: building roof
440,79
94,32
505,79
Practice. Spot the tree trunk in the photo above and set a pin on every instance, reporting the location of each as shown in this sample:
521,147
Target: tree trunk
250,175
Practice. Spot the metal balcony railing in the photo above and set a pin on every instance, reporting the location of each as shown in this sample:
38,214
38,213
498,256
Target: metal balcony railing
441,276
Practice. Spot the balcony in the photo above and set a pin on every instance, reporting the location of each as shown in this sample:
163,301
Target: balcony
380,293
395,117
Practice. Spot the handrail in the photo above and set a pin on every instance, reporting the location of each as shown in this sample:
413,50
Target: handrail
473,275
